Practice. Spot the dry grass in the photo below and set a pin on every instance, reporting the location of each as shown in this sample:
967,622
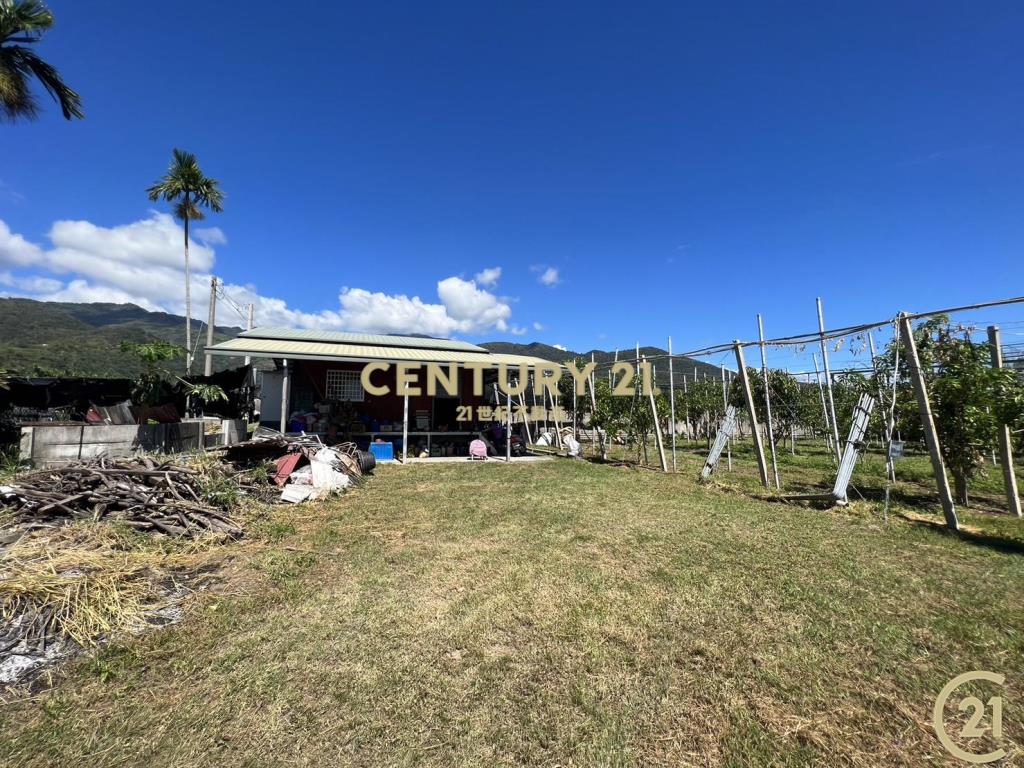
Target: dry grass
553,614
91,581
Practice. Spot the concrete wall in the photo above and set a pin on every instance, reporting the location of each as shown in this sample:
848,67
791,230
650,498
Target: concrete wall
45,445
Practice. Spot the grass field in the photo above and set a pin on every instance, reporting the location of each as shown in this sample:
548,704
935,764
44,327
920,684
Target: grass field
562,613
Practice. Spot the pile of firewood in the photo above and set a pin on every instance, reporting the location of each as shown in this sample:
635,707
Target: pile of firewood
144,494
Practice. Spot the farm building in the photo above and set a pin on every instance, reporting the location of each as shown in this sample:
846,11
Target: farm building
317,385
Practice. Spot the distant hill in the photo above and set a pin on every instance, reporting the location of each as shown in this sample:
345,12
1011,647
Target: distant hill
682,365
56,338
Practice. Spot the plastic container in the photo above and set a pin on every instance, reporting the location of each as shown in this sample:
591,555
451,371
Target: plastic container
383,451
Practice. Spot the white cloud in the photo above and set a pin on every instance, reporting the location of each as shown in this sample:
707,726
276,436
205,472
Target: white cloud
516,330
546,275
211,236
488,277
538,327
559,346
142,263
15,250
30,283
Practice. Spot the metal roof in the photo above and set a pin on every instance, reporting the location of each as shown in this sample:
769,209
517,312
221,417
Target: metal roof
318,350
365,339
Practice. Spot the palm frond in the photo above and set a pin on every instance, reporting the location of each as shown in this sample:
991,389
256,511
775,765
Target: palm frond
27,19
185,184
16,98
27,61
24,21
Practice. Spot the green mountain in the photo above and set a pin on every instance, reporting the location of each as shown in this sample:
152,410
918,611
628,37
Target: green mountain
56,338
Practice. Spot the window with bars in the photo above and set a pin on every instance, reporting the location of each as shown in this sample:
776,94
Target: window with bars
344,385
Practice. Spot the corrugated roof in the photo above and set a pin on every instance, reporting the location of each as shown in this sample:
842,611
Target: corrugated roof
366,339
315,350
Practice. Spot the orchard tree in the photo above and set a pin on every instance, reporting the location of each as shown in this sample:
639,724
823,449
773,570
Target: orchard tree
969,398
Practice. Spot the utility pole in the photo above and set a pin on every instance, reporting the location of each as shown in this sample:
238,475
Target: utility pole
248,327
767,400
828,382
672,402
210,321
755,430
931,435
1005,447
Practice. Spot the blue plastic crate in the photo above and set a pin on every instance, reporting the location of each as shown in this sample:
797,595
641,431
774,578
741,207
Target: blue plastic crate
383,451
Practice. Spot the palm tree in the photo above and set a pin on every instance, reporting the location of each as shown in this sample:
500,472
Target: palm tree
185,185
22,23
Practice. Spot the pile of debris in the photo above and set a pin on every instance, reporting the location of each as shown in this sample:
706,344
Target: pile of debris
143,494
302,465
66,587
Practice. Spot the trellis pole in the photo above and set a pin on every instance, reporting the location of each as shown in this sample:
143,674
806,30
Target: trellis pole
575,406
686,411
828,381
405,428
767,400
508,427
1005,447
821,393
931,435
890,465
554,416
725,405
533,396
657,427
636,396
748,394
592,380
526,420
672,402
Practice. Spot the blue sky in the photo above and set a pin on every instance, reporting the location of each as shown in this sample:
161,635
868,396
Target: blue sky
679,166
